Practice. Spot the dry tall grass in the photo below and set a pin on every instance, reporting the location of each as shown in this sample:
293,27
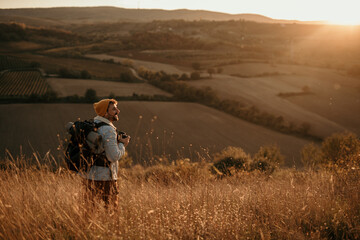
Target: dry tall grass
181,201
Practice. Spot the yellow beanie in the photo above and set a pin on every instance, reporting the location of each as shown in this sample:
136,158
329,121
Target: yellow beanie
102,106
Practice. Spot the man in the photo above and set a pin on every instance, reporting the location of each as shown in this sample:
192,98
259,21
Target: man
101,180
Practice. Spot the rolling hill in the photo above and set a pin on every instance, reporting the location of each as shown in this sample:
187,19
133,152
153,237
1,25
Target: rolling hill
88,15
330,106
174,129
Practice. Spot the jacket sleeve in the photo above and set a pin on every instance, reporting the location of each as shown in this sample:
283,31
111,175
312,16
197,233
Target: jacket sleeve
113,150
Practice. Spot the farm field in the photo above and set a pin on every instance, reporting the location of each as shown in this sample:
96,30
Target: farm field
97,69
68,87
331,105
154,66
157,128
22,83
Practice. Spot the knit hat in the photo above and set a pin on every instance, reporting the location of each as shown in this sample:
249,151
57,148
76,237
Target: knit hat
102,106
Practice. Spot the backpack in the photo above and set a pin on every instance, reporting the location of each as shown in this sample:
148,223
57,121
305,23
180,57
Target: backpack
85,148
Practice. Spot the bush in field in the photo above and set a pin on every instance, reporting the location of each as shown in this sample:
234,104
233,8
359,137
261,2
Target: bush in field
85,74
270,153
184,76
90,95
311,156
263,165
340,149
175,76
211,71
229,161
228,166
67,73
195,75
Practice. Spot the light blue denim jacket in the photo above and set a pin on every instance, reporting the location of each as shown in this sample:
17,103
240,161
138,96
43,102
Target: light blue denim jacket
113,150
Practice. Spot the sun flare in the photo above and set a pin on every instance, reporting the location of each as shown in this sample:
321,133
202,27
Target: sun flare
345,21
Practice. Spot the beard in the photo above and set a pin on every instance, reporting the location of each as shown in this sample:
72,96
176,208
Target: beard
114,118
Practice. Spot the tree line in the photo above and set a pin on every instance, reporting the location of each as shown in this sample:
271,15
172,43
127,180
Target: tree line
207,96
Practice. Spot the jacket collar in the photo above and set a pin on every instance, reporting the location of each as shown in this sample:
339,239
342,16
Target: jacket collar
105,120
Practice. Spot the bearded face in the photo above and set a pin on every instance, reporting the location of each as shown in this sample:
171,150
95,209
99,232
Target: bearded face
113,113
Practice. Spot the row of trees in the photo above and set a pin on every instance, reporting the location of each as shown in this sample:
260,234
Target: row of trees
208,97
162,40
68,73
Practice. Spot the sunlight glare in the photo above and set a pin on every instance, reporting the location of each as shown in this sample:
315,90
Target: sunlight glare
345,21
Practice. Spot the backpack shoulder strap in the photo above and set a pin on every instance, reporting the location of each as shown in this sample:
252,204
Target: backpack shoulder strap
100,124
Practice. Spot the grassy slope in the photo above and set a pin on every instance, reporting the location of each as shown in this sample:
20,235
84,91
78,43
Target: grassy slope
332,106
178,128
155,66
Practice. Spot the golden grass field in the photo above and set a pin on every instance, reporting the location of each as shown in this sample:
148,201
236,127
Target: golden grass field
68,87
157,128
181,201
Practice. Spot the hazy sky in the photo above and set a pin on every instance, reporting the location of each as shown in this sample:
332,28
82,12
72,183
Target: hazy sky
336,11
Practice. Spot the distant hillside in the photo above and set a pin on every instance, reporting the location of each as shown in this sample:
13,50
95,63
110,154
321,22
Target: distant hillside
82,15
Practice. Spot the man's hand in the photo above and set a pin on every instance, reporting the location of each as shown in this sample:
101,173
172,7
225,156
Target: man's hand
125,141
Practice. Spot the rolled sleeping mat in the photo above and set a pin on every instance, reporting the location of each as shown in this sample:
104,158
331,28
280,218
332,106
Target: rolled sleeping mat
95,142
69,126
97,149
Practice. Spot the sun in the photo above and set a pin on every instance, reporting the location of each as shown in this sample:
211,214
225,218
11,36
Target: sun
345,21
348,16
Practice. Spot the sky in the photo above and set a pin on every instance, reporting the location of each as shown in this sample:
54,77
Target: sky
334,11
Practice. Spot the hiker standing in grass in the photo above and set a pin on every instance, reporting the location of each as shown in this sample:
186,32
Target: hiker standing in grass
101,180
